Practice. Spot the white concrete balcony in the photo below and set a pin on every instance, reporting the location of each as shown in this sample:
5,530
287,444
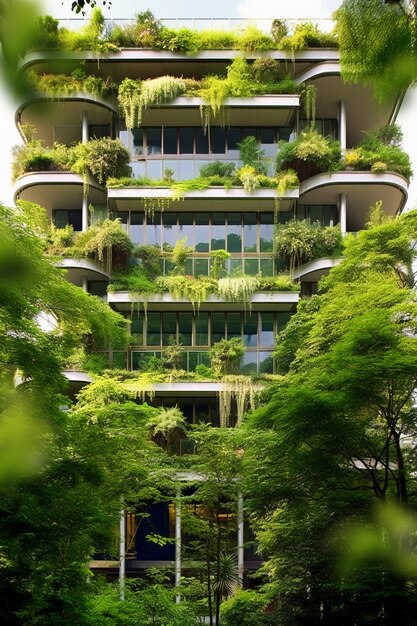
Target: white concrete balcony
313,270
80,271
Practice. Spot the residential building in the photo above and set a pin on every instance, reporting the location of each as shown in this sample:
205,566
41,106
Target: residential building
173,142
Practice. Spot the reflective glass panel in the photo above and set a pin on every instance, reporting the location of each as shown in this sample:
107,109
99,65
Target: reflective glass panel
154,329
250,329
217,327
266,232
137,141
266,363
234,232
201,232
267,330
201,267
218,140
170,229
201,329
154,140
170,140
251,267
267,135
250,228
249,365
266,267
185,325
218,230
136,227
201,141
169,328
233,325
153,229
186,228
186,137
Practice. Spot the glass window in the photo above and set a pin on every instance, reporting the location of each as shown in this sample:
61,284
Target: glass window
267,135
169,328
201,141
154,329
266,232
249,365
201,232
153,229
233,138
186,228
283,319
154,169
199,358
250,329
187,169
249,221
138,168
185,325
201,267
136,227
248,132
137,140
97,131
97,288
186,140
170,140
201,329
233,325
234,232
154,140
140,360
235,266
330,128
172,164
267,330
218,230
123,216
136,329
170,234
218,140
266,363
285,133
218,327
124,137
267,267
71,216
251,267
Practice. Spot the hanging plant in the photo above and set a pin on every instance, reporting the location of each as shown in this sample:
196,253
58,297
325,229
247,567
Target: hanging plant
240,389
225,356
150,205
309,101
196,290
238,289
136,96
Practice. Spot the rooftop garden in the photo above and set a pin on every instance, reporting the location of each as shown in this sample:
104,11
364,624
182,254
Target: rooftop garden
148,32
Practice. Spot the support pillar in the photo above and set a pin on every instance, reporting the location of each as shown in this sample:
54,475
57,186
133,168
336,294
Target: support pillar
342,213
240,540
342,126
84,127
84,214
85,284
177,546
122,555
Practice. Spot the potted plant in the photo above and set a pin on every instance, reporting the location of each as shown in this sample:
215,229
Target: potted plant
309,154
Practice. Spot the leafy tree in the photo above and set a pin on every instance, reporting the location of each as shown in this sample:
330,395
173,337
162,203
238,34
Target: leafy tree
377,43
338,436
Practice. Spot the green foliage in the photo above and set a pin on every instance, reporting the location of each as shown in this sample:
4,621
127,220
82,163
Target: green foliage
309,148
307,35
380,151
66,85
193,289
217,168
60,240
89,37
245,608
144,33
179,256
183,40
218,260
251,39
135,281
252,155
298,241
168,426
279,29
105,242
238,288
281,282
376,44
136,96
225,356
150,257
102,158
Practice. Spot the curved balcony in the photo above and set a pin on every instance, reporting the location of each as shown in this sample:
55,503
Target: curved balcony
362,190
359,100
146,63
132,198
57,190
261,301
313,270
59,118
78,271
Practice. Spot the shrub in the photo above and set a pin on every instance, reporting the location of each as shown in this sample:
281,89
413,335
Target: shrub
308,35
298,241
218,260
77,81
179,256
135,282
251,39
106,242
217,168
309,148
150,257
225,356
266,70
245,608
181,40
279,29
252,155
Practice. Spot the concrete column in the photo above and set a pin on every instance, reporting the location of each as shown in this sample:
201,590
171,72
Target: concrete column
84,214
342,213
84,127
177,546
240,540
342,125
122,555
85,284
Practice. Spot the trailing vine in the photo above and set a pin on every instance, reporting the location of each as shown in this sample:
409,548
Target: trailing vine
240,389
135,96
238,289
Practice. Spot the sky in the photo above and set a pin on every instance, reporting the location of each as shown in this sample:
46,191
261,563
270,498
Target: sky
248,9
